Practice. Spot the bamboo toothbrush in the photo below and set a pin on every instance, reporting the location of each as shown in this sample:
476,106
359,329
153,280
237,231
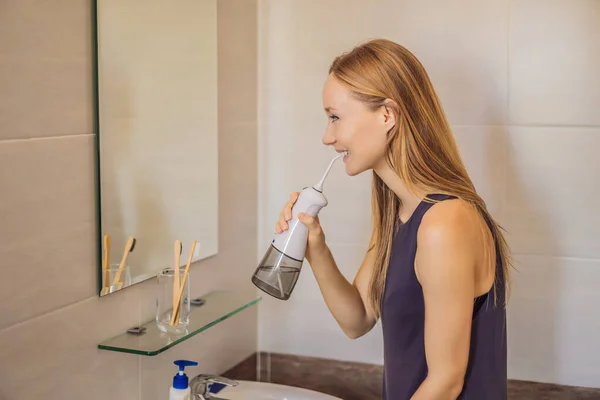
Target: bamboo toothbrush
106,265
128,249
177,251
176,311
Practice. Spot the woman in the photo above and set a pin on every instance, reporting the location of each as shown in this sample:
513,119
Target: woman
437,267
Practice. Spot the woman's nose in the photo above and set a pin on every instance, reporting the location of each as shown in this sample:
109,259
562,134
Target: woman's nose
328,138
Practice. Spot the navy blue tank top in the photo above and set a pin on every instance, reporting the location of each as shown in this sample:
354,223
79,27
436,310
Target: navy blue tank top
403,322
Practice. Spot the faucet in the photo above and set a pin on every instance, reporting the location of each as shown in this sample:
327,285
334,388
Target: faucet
200,386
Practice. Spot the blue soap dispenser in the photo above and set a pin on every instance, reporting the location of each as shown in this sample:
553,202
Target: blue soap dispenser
181,388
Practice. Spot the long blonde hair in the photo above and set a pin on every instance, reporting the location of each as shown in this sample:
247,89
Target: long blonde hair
422,149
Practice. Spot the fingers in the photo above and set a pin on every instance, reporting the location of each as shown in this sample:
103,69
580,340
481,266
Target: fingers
286,213
281,224
312,223
294,196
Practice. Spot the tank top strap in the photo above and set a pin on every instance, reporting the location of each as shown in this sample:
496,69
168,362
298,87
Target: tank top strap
417,216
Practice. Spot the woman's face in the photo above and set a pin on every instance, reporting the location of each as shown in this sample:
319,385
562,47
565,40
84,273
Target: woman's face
354,128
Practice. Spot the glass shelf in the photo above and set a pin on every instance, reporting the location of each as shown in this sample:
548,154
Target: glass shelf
217,307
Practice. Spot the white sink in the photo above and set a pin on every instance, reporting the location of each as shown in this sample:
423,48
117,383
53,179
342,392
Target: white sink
249,390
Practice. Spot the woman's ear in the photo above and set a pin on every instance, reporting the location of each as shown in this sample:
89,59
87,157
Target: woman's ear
389,111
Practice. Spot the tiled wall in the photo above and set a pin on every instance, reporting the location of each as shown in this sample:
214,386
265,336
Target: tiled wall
520,81
51,318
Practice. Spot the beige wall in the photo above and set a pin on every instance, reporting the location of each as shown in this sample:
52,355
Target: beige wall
520,82
51,318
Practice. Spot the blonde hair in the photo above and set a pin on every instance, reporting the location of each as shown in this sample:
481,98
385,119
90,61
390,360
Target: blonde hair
422,149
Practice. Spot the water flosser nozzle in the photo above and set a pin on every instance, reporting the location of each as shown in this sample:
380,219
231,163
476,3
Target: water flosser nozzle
319,186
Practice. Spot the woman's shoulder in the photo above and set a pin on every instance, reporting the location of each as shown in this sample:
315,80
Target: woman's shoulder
448,242
452,222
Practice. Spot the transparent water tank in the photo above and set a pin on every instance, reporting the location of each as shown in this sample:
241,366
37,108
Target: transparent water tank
277,274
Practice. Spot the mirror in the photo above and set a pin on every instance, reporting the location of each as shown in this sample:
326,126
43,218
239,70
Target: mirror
157,135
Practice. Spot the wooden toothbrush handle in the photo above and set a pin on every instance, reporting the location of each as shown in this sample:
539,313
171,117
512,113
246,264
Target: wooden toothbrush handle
106,262
128,248
177,304
176,283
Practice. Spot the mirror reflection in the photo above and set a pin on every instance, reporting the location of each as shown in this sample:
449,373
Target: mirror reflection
157,136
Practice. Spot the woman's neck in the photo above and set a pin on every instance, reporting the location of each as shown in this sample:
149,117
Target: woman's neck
409,201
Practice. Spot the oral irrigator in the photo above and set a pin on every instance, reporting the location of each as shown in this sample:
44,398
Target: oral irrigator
279,269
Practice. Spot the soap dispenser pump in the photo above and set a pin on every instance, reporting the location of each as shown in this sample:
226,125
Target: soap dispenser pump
181,388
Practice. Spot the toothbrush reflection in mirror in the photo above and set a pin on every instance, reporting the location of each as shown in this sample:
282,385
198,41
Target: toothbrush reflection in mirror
128,249
106,265
177,251
177,309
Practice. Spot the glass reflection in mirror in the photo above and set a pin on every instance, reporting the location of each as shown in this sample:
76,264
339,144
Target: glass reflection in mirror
157,136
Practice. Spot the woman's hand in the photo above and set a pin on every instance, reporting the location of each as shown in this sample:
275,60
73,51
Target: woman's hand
316,236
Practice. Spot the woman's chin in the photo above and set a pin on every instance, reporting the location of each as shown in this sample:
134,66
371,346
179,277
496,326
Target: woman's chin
353,170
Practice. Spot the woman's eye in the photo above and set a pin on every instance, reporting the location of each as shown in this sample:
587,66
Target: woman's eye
333,118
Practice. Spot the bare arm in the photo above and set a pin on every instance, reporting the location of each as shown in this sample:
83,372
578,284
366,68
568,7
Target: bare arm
346,301
445,265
